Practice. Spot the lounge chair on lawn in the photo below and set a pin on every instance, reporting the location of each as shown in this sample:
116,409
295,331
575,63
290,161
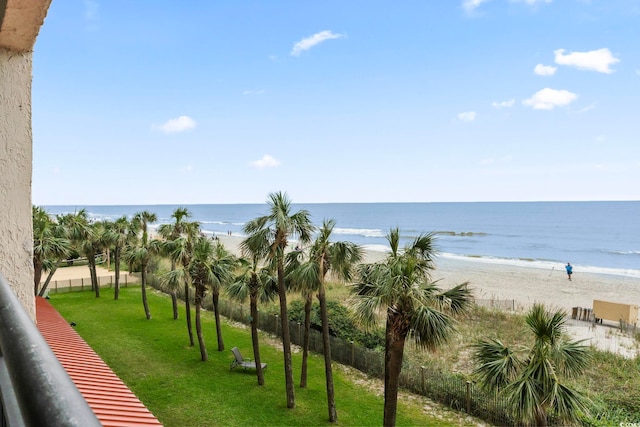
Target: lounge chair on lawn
241,361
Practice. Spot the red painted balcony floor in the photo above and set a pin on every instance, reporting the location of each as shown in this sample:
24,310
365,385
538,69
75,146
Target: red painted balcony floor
111,400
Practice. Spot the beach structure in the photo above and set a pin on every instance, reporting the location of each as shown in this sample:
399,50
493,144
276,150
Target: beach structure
616,312
36,389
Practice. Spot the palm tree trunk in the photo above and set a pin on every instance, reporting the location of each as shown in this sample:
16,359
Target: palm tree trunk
254,335
216,312
37,275
143,286
174,303
394,352
187,306
305,340
116,257
541,417
326,343
286,338
203,348
43,290
94,275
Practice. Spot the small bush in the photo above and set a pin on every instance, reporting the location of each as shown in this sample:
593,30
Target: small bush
340,323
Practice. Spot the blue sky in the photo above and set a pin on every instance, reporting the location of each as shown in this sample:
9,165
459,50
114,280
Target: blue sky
336,101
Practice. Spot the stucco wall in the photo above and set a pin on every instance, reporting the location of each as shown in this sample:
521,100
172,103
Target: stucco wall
16,234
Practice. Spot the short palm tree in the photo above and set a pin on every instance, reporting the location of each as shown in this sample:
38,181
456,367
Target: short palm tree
268,238
116,236
400,288
533,382
85,238
325,256
259,285
50,247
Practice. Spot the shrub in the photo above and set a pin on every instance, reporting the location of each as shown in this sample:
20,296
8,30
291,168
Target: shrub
341,324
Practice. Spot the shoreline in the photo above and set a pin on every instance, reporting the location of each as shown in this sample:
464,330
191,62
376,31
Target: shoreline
491,279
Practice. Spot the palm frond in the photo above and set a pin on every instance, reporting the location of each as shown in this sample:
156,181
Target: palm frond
571,357
458,299
497,364
430,327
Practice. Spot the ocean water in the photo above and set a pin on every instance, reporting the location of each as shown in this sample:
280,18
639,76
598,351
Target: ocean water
593,236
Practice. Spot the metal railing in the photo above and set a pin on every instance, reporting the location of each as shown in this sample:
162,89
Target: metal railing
35,390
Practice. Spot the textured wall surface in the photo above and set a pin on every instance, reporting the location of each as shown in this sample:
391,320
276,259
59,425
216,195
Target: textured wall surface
16,234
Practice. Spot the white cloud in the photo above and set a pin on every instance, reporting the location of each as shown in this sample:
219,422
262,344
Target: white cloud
594,60
467,116
179,124
471,5
266,161
544,70
503,104
311,41
548,99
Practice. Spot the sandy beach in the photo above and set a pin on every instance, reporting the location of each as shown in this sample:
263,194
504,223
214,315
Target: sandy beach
525,286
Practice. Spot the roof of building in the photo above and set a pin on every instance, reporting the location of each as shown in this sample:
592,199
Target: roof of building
111,400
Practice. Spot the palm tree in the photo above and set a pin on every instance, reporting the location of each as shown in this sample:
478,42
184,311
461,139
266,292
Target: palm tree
179,246
116,236
85,238
210,267
267,238
532,382
139,254
259,284
170,233
50,247
401,288
293,266
325,256
223,264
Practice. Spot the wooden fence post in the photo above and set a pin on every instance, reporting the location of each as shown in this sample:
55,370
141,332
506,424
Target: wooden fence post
353,354
423,378
468,397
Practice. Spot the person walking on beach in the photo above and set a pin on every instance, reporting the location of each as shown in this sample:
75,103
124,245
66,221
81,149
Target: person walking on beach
569,269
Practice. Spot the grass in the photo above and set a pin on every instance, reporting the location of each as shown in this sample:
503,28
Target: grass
154,359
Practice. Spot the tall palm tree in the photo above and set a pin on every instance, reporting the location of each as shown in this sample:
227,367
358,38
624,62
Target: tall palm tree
170,233
325,256
532,382
140,253
400,287
210,268
259,285
180,250
223,264
116,236
268,237
50,247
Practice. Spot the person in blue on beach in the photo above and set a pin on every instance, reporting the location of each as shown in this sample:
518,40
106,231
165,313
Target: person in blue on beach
569,269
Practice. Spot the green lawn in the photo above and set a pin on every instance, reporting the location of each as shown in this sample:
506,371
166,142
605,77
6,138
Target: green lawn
154,359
